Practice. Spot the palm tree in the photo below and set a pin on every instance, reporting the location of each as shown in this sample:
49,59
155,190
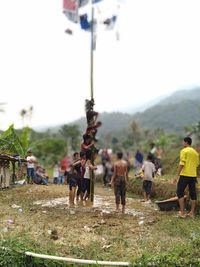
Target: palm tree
23,113
30,114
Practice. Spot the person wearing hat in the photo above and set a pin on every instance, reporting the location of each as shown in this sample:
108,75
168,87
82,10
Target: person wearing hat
31,161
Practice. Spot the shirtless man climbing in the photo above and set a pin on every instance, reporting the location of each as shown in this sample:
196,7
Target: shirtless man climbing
119,180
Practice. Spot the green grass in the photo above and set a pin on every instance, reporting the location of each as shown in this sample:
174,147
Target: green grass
168,241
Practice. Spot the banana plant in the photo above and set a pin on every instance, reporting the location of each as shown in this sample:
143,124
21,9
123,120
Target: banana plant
11,143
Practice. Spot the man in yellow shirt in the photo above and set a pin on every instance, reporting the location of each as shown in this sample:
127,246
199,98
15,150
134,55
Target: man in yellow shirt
187,174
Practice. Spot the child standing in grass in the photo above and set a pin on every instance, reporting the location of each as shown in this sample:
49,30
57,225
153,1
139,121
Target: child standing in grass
148,169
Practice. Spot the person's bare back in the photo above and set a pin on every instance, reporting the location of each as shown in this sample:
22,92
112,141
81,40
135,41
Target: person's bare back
121,168
119,181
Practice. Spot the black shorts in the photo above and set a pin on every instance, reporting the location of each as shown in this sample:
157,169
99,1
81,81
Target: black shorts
72,182
185,181
120,190
86,185
147,186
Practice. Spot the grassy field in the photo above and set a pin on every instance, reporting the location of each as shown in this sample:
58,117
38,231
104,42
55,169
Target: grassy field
37,218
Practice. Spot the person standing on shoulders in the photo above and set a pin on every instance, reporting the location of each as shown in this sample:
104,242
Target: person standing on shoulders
187,176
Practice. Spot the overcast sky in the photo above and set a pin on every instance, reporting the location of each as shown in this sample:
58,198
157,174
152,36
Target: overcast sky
41,66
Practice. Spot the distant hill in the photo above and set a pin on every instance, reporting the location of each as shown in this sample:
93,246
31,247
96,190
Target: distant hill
182,95
172,117
112,122
144,106
172,114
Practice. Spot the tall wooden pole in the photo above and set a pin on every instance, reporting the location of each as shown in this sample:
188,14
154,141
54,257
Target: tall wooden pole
91,55
92,97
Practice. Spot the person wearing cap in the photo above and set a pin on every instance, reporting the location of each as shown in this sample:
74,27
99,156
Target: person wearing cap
31,161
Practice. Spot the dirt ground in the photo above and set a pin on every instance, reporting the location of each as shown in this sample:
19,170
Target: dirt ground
88,230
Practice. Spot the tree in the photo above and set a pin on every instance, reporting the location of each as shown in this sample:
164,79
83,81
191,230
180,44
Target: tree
115,144
71,134
26,114
23,114
11,143
136,132
49,150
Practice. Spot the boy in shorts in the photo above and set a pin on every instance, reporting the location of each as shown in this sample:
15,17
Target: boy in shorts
73,182
148,169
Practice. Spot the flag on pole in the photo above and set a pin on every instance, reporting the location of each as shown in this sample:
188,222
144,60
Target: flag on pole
70,5
110,22
89,26
70,9
85,24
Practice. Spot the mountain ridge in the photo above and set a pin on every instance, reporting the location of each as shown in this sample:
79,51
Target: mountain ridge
172,114
180,109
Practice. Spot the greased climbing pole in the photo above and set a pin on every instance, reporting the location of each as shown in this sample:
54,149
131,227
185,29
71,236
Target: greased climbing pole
75,13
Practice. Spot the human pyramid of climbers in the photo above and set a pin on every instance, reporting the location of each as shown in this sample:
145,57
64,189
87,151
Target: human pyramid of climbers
80,180
89,137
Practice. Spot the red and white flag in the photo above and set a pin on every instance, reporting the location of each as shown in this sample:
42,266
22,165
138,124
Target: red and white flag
70,5
70,9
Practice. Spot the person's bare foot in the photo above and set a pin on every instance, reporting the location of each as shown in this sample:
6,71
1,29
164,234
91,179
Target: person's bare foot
181,215
191,215
71,205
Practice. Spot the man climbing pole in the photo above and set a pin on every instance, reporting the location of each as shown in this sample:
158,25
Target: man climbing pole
89,139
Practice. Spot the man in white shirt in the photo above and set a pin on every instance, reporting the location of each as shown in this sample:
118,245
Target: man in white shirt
31,161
